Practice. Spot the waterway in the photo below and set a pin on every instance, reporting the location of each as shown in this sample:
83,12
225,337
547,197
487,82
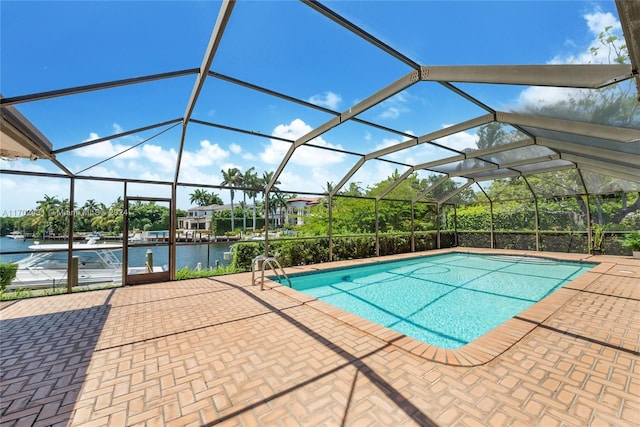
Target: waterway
187,255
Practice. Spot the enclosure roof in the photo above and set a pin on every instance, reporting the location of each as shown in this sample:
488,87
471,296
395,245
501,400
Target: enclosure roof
416,103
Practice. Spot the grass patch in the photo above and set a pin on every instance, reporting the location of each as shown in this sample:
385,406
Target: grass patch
187,273
33,293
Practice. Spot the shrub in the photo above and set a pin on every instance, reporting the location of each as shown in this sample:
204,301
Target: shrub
244,253
632,241
7,274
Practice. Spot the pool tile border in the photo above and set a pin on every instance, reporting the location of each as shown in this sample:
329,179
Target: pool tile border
482,350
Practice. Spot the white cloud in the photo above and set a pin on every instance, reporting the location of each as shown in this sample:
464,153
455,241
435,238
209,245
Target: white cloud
293,130
390,113
459,141
596,22
104,171
393,107
371,173
208,155
595,52
106,149
20,194
328,99
545,95
235,148
150,176
166,159
275,151
101,191
310,156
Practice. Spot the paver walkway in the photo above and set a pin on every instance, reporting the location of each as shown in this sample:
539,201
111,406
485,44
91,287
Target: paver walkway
219,351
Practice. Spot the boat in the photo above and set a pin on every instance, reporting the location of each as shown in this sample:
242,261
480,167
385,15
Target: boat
136,238
16,235
46,266
93,236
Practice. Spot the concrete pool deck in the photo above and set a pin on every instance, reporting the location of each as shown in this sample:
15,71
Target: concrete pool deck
218,351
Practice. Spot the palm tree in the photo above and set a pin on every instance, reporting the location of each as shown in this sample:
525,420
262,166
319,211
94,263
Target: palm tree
46,214
279,202
215,199
266,179
231,178
90,209
244,182
199,197
252,181
102,218
204,198
267,176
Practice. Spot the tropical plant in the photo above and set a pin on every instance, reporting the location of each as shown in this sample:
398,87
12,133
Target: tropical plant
231,177
278,204
7,274
89,210
632,241
267,176
204,198
253,182
246,180
597,237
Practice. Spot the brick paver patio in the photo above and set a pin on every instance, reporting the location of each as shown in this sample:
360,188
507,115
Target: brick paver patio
219,351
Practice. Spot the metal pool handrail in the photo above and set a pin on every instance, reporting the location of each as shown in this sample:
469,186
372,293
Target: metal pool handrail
261,262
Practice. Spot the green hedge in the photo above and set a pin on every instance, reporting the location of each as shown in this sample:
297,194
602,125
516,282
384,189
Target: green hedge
294,252
7,274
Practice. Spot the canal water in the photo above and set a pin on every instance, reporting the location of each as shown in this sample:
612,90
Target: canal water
186,255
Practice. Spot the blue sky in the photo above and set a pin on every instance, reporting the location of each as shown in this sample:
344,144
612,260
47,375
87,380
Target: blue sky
281,45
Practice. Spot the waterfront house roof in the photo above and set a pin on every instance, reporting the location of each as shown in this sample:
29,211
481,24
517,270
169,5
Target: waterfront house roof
309,201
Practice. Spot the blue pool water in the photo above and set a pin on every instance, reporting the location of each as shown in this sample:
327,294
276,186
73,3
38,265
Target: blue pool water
445,300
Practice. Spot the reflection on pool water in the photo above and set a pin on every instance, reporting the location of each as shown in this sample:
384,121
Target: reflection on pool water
446,300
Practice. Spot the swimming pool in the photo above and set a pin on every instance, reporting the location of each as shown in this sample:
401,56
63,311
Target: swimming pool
445,300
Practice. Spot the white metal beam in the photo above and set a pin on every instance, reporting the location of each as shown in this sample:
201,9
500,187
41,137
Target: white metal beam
456,191
591,76
214,41
450,130
431,188
529,161
346,178
581,149
608,172
629,13
569,126
476,154
502,175
395,183
93,87
395,87
387,92
459,127
466,172
631,171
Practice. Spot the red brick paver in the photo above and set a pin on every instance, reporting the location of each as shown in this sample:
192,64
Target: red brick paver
220,351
